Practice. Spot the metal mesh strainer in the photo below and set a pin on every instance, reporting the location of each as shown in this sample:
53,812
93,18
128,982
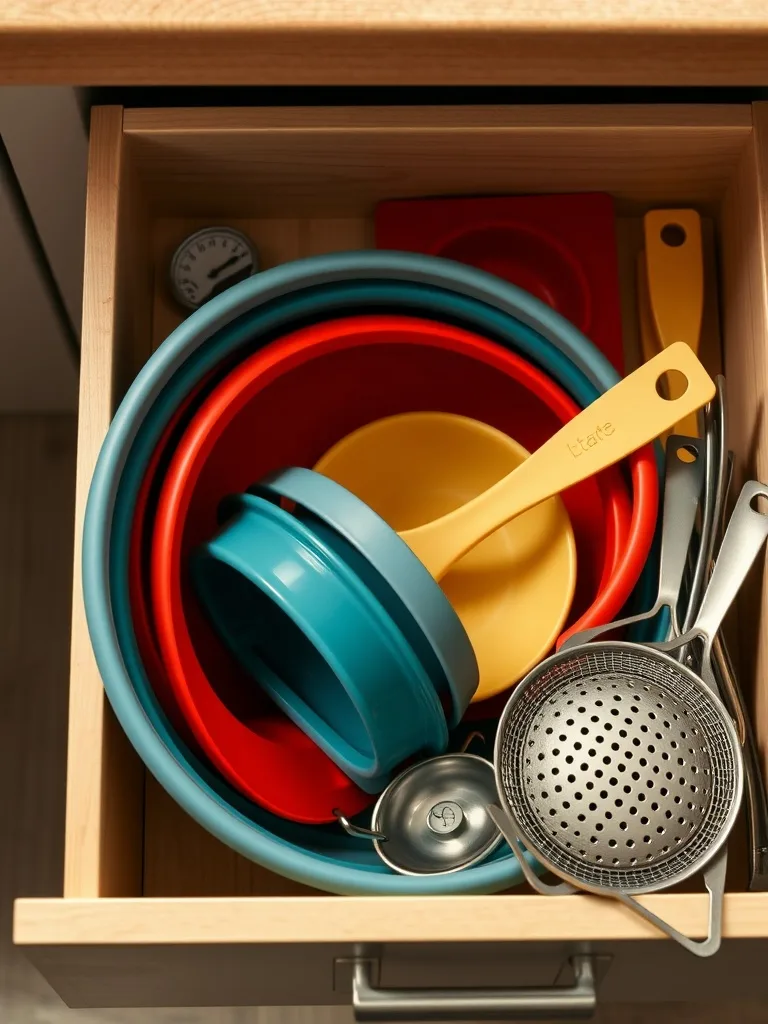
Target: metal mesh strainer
618,767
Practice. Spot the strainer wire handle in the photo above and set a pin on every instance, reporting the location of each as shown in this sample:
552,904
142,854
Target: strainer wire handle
714,880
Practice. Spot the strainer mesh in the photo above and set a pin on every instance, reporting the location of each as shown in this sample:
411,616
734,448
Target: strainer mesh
618,767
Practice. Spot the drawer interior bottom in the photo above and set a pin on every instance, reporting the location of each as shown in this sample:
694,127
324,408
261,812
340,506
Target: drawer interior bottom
180,858
305,182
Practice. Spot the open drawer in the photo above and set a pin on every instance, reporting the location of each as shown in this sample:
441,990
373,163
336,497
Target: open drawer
154,910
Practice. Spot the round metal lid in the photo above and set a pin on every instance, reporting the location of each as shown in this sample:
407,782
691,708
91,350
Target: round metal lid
435,816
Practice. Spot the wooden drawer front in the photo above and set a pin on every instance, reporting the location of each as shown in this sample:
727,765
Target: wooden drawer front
156,911
437,42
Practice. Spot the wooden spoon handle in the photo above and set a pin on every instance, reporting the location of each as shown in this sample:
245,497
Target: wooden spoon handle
622,420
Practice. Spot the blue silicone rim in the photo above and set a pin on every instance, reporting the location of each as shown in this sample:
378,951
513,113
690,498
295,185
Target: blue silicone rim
255,833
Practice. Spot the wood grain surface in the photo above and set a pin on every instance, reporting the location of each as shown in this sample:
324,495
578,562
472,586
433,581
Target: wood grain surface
372,919
181,859
104,802
37,466
125,839
687,152
743,259
338,162
338,42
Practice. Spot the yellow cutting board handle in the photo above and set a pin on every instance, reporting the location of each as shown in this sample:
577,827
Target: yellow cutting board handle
622,420
675,275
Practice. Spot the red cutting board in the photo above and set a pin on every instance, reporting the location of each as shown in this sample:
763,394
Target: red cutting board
561,248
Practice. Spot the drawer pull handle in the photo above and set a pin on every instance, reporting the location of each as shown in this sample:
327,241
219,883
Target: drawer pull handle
577,1001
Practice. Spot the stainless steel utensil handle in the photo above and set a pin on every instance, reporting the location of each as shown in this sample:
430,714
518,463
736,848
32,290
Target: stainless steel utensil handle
358,831
724,469
714,880
578,1001
716,465
724,503
730,690
728,687
757,799
713,423
682,490
744,538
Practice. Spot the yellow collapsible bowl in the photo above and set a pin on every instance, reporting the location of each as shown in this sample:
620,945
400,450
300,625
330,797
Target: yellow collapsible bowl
513,591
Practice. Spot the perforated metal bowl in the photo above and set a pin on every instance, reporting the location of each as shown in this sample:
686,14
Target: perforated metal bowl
620,767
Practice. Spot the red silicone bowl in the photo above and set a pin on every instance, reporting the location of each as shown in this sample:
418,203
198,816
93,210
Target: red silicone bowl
286,405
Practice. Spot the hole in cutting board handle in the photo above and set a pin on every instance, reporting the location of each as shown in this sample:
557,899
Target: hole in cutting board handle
671,384
673,235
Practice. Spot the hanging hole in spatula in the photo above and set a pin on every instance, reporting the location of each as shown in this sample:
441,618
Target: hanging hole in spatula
673,235
759,503
687,453
672,384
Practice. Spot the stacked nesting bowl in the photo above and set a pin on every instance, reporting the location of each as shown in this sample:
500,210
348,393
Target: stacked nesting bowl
226,420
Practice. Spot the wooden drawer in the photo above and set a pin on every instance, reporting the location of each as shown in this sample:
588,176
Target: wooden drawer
154,911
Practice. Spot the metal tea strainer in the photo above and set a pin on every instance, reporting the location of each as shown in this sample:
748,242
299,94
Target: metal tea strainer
619,768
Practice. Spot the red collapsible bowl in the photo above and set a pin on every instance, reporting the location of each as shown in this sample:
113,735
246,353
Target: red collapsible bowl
286,405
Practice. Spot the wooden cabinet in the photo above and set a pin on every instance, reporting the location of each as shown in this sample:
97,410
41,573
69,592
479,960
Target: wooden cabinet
361,42
154,911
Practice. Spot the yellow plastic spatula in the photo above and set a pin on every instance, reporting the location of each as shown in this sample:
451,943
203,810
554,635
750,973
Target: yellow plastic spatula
675,284
622,420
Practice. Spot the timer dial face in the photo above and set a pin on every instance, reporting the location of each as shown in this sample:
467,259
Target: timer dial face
209,262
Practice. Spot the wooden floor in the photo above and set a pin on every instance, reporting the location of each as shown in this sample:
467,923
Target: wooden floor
37,458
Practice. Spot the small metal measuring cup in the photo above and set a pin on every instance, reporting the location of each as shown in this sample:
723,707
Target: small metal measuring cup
433,819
